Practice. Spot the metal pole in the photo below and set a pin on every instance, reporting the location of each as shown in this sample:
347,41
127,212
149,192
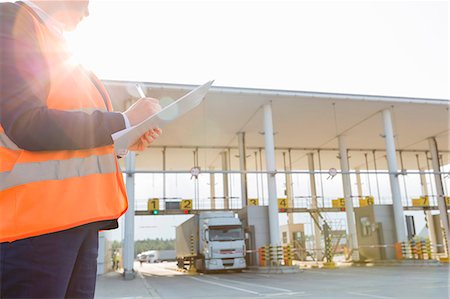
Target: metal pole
404,177
430,176
212,189
289,195
257,177
317,230
128,242
368,176
428,215
439,188
243,167
399,216
444,184
226,203
196,185
261,176
346,184
274,226
230,181
358,182
291,182
321,179
376,176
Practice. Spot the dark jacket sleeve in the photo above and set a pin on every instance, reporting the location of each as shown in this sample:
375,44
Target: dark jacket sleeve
24,87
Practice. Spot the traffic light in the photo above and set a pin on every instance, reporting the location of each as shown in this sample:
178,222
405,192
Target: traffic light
186,206
283,205
153,206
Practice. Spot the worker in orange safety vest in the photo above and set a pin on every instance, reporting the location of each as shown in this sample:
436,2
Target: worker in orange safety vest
60,182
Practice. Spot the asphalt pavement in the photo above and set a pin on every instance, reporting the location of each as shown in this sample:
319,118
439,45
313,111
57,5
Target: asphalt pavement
163,281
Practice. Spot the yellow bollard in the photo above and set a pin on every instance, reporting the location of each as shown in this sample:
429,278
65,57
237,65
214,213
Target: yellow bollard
286,255
267,254
445,259
405,250
329,264
419,250
290,255
192,268
261,257
412,245
428,246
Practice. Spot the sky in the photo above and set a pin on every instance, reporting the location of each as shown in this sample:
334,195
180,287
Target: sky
398,48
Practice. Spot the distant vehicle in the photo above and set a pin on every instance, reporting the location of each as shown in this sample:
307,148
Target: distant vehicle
156,256
212,241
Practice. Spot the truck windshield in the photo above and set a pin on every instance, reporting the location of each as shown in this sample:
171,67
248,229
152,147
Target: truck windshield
225,233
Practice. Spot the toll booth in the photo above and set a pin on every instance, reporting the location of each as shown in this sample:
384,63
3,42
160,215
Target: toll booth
255,220
294,234
291,233
375,228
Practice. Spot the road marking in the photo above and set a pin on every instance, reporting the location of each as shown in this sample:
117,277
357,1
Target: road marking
297,294
252,284
151,291
435,287
370,295
225,285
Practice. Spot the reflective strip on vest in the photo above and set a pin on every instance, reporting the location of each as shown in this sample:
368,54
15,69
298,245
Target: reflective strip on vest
56,170
7,143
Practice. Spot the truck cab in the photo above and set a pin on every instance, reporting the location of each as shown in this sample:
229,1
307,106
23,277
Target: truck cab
223,241
211,241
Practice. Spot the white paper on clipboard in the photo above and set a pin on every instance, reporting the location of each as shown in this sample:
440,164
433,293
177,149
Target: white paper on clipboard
125,138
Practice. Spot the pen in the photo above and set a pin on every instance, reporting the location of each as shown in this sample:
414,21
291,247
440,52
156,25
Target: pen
140,91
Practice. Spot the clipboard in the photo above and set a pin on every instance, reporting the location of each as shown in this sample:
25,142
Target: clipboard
125,138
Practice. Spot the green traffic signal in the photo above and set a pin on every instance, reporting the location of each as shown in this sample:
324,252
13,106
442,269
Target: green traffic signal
155,212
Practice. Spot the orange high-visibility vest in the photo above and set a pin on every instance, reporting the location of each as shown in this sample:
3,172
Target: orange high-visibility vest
47,191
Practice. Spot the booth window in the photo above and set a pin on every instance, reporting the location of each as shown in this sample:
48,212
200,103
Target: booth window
366,227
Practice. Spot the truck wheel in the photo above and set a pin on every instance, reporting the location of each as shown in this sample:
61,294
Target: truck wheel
204,270
180,263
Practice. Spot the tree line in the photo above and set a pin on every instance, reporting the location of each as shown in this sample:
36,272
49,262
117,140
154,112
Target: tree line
148,244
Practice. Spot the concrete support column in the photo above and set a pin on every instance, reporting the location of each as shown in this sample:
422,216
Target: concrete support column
358,182
212,189
314,205
274,227
428,215
128,242
391,157
226,197
439,187
243,167
351,227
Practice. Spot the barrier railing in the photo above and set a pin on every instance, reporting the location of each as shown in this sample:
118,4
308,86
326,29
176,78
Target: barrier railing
419,250
275,255
414,249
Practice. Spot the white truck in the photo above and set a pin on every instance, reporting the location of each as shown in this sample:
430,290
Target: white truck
211,241
156,256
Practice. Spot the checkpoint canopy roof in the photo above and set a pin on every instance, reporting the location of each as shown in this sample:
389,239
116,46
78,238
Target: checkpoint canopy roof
303,122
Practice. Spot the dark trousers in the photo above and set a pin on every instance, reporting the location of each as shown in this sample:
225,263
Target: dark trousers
56,265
